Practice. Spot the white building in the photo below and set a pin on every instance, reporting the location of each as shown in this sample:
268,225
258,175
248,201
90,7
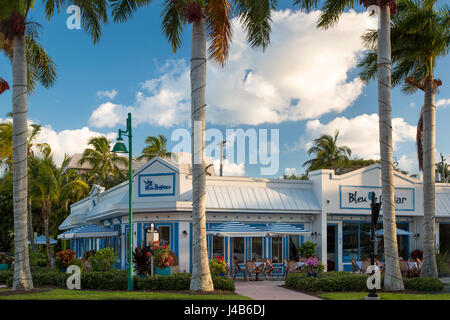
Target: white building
335,209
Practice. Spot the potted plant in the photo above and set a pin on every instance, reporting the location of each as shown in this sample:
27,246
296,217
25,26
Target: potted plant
314,266
64,259
5,261
218,266
141,260
163,258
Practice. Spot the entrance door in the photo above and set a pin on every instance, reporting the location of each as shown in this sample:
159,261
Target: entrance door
332,248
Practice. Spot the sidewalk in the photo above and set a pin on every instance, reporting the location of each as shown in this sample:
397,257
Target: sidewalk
269,290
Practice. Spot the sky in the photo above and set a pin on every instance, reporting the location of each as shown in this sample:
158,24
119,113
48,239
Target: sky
303,85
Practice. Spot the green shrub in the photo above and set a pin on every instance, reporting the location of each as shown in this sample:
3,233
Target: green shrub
307,249
106,280
423,284
179,281
103,260
38,259
223,283
5,275
443,264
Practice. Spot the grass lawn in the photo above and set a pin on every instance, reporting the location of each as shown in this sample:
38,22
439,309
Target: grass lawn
384,296
65,294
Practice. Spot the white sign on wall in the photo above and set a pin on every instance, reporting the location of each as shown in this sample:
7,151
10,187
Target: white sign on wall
158,184
357,197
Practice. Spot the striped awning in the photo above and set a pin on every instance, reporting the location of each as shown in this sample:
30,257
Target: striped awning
281,229
235,229
88,231
400,232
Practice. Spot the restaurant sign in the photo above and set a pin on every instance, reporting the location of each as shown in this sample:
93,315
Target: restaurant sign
357,197
158,184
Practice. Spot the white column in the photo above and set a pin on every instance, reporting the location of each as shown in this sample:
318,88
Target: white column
184,246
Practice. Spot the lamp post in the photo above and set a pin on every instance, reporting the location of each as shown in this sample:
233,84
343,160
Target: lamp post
120,147
375,213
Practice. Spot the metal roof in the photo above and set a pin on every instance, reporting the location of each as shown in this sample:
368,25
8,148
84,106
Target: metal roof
263,198
442,204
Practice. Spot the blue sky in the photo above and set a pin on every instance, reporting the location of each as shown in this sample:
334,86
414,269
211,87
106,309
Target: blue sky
134,58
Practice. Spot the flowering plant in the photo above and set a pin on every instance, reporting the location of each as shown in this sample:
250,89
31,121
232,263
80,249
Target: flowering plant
314,265
217,266
162,254
65,258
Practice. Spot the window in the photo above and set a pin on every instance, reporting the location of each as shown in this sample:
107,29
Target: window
350,241
238,250
294,242
164,236
364,241
257,249
218,247
277,251
444,238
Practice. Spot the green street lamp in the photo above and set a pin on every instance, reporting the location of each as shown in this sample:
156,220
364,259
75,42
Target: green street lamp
120,147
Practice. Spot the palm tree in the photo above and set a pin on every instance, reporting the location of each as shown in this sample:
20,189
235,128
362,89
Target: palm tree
332,9
420,34
210,19
105,164
3,85
14,29
50,187
328,154
156,147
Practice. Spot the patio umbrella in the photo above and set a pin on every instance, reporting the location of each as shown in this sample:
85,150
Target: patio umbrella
235,229
400,232
282,229
41,240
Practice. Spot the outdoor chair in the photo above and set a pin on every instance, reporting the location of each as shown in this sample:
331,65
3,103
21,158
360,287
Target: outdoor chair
380,265
366,264
269,269
404,268
237,270
419,266
250,266
355,267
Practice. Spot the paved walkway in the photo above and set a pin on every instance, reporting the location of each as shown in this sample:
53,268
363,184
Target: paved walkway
269,290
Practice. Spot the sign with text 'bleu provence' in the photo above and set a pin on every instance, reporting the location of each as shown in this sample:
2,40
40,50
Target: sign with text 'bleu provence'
357,197
158,184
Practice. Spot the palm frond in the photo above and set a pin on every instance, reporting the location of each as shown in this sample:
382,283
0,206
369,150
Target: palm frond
173,22
41,67
122,10
218,15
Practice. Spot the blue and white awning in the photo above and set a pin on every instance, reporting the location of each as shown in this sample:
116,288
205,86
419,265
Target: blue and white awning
400,232
41,240
282,229
235,229
88,231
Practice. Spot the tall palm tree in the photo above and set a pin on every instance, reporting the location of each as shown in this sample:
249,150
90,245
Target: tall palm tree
328,154
332,9
14,28
419,34
210,19
156,147
105,163
50,187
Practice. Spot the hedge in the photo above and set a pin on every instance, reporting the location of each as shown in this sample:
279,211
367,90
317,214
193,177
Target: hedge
344,281
116,280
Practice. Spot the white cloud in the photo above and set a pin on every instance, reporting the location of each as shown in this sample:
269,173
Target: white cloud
111,94
68,141
290,171
302,75
443,103
360,134
229,168
409,163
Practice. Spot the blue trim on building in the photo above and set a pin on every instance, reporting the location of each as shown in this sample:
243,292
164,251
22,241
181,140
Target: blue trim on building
156,194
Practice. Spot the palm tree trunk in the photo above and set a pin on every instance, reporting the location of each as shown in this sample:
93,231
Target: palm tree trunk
429,266
46,215
393,279
201,276
30,226
22,273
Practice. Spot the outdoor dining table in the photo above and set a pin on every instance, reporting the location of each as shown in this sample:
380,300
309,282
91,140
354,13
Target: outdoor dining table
260,267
